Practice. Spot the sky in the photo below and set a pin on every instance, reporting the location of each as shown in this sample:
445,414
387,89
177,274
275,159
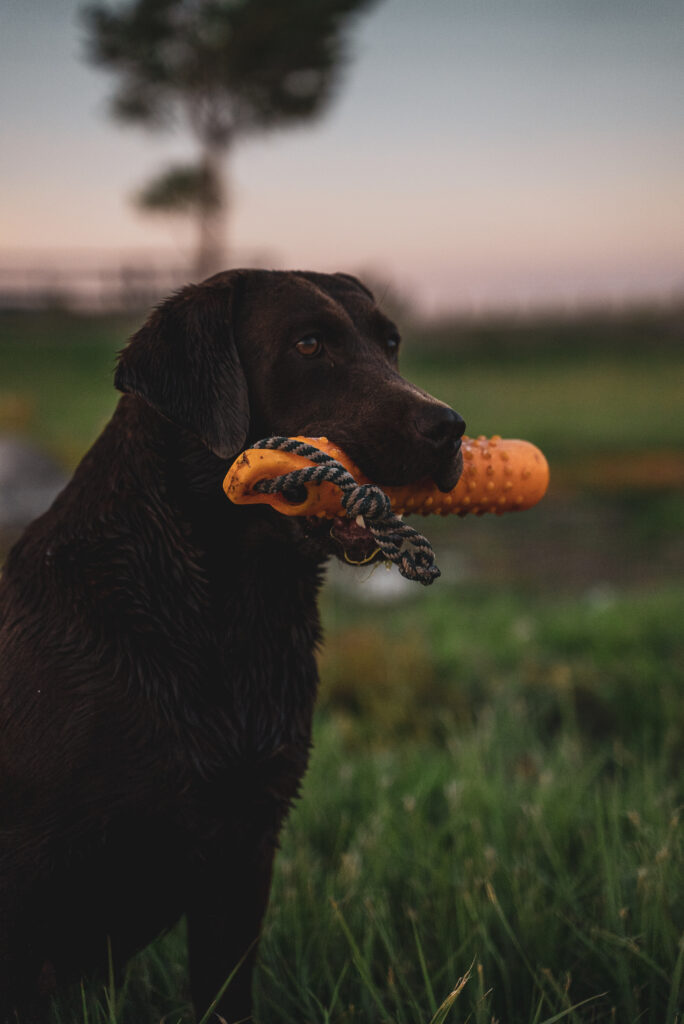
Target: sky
480,153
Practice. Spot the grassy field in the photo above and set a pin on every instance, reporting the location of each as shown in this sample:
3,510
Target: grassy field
56,376
496,798
593,404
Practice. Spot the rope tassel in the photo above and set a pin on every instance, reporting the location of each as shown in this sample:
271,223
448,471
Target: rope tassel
398,542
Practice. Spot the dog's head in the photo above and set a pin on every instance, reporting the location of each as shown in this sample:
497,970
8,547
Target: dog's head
248,354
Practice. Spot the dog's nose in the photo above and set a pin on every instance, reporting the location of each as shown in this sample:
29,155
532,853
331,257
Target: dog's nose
440,424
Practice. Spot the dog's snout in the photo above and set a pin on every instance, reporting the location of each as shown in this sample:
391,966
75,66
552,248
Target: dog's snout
440,424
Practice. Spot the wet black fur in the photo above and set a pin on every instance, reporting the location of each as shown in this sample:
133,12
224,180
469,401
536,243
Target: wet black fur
157,670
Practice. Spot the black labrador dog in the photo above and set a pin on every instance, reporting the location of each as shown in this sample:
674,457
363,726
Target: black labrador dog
157,670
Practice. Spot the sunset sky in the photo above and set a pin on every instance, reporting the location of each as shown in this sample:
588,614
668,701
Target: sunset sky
480,153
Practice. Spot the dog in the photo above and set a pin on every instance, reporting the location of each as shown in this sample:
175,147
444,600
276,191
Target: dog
157,644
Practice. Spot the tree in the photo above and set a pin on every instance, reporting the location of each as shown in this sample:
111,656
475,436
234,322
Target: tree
221,68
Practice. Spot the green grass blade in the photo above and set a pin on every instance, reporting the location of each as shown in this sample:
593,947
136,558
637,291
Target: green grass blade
110,987
219,995
671,1017
423,966
358,960
398,981
84,1005
511,934
571,1009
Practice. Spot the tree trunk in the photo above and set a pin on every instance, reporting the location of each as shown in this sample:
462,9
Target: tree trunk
211,215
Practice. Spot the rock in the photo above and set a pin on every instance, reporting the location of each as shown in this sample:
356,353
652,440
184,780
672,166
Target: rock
30,479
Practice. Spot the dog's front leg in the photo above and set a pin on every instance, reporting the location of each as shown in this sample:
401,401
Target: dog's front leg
224,923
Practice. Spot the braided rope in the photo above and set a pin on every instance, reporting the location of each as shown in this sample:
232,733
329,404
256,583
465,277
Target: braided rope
397,541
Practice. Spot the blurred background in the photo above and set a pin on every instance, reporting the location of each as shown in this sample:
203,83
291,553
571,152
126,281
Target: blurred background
497,781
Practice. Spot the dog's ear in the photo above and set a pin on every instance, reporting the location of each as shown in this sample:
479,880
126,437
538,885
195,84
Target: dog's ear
184,362
357,284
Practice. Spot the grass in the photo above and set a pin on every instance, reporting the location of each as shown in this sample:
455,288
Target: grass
591,403
556,880
444,655
491,828
56,374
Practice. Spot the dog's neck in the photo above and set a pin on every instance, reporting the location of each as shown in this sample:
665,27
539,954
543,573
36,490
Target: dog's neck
192,481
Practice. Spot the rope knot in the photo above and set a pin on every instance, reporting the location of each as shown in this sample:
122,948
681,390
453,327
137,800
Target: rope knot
398,542
367,501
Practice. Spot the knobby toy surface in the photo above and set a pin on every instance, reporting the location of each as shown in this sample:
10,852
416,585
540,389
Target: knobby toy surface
499,475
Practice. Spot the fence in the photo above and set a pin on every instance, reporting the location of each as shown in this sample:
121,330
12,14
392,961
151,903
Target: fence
95,282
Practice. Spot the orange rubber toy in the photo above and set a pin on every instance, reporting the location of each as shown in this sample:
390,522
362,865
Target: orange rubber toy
499,475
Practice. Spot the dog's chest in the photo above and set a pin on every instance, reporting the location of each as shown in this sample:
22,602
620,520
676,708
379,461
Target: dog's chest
269,673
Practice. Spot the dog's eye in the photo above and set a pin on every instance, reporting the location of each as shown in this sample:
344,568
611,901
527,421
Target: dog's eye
392,344
308,346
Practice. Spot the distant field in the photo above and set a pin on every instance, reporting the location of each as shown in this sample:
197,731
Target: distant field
574,402
56,378
574,405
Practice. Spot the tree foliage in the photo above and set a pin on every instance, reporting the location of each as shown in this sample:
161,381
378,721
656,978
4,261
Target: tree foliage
182,188
229,66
